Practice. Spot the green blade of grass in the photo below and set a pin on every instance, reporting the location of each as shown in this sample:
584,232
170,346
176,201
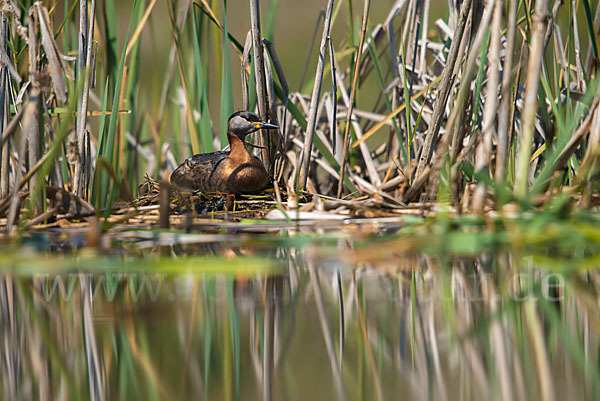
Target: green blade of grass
204,127
111,152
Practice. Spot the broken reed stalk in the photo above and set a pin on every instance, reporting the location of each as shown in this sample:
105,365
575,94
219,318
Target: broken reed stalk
32,130
14,201
456,129
245,67
531,92
86,34
32,137
278,68
266,137
80,122
335,142
363,31
279,162
31,125
577,46
464,92
484,150
271,100
504,130
424,32
314,102
4,111
442,95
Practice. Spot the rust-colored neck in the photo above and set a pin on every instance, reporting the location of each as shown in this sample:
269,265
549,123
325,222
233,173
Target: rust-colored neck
237,148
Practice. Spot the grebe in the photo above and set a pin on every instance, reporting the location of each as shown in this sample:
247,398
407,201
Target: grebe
235,171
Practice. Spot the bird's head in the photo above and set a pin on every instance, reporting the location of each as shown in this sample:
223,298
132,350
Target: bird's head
243,123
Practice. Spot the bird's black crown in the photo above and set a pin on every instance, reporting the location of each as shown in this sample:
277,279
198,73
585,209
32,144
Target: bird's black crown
246,115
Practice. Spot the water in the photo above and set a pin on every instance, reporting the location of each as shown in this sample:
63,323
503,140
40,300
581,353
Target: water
295,317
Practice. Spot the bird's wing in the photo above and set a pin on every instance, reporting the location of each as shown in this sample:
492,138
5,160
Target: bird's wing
205,160
195,173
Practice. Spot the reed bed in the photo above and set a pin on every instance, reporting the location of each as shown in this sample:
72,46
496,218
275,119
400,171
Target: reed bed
429,326
496,104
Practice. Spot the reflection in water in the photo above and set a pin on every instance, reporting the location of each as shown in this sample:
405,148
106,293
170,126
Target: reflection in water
429,328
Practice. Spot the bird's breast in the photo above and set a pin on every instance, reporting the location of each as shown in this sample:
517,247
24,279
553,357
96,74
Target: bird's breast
246,176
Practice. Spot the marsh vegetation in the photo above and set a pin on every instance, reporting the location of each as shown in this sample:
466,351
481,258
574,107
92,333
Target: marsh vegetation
432,229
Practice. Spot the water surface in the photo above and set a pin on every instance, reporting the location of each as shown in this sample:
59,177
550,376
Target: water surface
250,316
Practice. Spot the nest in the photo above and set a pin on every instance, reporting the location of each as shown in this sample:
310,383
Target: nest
183,202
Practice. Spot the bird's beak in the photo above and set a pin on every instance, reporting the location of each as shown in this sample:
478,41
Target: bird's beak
261,124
